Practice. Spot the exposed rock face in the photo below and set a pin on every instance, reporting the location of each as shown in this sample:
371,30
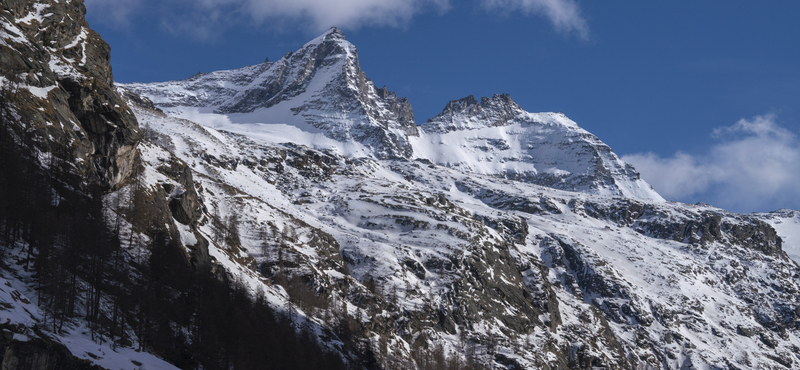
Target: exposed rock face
321,85
57,78
58,103
58,87
468,113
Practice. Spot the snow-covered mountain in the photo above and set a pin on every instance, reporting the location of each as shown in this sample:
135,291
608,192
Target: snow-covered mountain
517,239
318,88
495,136
524,274
321,87
487,237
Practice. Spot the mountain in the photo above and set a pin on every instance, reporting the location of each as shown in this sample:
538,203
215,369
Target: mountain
508,237
102,264
495,136
486,238
503,272
320,87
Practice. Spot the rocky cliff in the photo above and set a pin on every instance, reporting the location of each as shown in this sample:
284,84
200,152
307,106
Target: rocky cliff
57,83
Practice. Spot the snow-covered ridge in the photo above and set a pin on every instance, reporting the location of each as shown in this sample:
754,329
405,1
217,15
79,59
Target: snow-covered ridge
469,114
320,91
496,137
786,223
318,88
622,283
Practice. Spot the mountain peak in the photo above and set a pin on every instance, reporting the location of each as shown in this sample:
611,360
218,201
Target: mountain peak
320,85
333,36
494,136
334,31
468,113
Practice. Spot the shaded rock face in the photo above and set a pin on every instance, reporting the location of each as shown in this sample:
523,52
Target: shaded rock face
468,112
58,87
57,79
320,84
184,204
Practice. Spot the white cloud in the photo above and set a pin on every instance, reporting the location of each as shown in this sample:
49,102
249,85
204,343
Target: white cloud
564,14
754,166
205,18
352,14
674,178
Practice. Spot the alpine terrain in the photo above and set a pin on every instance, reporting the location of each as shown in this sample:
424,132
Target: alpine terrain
292,214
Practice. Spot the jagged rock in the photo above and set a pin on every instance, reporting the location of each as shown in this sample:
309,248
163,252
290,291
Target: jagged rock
468,114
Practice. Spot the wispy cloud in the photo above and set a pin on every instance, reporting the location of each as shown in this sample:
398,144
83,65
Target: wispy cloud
350,14
754,165
205,18
116,13
564,14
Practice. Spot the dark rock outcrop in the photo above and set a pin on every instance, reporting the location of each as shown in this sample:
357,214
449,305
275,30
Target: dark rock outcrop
57,79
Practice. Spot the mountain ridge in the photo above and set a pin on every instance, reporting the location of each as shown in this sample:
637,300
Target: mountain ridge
392,131
320,85
378,256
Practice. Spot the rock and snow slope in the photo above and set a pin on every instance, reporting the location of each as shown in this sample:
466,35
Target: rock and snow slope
495,136
787,223
511,238
319,88
515,238
528,275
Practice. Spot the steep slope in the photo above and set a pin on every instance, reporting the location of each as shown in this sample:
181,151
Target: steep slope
501,272
786,223
496,137
361,245
102,230
319,88
55,76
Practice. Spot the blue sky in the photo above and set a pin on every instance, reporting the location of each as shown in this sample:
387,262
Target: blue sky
703,97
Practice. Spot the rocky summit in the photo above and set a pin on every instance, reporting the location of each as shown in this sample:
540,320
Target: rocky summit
320,85
238,218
